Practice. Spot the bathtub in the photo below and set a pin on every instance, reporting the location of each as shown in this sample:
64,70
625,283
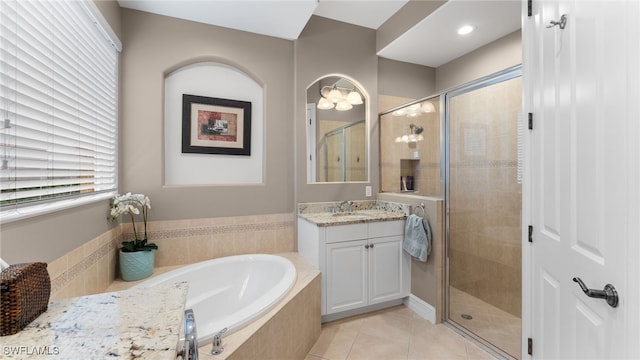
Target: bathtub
231,292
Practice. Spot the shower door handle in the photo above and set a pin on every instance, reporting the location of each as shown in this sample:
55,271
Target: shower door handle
610,294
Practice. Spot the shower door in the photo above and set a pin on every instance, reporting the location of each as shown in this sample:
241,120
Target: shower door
483,201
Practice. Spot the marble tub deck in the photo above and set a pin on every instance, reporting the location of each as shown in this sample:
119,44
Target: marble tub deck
132,324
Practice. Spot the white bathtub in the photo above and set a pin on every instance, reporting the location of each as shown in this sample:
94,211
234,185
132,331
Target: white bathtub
231,292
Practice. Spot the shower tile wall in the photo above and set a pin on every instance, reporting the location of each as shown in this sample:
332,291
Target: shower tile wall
426,168
485,202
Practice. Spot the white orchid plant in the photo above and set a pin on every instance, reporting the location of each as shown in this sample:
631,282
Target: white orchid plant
132,204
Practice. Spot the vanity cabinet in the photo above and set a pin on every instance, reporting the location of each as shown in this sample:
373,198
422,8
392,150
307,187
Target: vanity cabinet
362,264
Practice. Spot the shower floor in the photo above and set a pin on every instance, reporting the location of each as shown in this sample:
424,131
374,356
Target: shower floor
487,321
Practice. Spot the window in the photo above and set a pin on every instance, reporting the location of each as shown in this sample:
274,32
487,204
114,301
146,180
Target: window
59,105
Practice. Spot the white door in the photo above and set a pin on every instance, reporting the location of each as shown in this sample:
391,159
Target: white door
582,177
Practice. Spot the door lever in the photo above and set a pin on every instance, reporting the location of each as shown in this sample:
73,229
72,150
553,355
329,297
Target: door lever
609,293
562,23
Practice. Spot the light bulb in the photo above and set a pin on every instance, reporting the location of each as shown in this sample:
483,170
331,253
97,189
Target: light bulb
325,104
428,107
343,106
354,98
334,95
465,29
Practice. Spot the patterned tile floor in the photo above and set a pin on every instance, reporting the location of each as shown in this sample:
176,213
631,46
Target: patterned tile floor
396,333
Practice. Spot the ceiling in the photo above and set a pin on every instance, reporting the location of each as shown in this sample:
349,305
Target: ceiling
431,42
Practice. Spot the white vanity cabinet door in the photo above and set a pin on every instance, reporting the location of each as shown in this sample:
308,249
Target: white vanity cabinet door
385,269
346,276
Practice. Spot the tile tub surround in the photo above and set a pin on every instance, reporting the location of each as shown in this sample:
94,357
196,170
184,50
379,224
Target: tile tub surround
321,213
91,268
88,269
137,323
288,331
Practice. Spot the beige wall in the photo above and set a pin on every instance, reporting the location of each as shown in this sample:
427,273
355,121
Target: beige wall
154,46
330,47
111,12
408,16
493,57
401,79
426,277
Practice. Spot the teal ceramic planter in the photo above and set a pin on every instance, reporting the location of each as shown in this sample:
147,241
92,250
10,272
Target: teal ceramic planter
136,265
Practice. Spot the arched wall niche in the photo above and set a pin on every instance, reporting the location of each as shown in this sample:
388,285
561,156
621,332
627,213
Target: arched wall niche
213,78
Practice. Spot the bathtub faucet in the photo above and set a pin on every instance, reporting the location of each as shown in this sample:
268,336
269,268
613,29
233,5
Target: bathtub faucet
217,342
190,349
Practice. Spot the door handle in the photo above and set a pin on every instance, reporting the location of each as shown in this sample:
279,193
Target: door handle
610,294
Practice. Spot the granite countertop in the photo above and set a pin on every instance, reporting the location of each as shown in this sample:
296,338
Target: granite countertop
362,211
131,324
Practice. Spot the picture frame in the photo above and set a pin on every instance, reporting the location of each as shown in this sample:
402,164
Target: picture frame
215,126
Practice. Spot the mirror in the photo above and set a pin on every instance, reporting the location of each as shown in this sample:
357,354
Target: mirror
337,145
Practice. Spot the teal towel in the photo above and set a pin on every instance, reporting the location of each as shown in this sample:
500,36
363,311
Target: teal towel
417,237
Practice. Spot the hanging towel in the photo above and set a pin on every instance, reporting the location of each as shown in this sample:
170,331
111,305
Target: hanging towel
417,237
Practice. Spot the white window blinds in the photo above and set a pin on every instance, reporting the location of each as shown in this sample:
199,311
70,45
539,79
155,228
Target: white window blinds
59,91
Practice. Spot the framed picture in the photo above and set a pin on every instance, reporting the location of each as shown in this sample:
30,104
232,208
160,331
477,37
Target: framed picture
215,126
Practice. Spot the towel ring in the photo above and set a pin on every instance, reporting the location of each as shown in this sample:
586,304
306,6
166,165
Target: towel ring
419,207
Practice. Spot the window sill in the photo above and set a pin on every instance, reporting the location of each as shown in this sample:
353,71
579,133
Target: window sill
7,216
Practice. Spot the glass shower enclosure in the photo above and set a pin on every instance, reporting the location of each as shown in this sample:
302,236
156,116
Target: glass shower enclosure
462,146
483,205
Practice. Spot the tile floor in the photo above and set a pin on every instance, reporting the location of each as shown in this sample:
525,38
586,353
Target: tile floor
490,323
396,333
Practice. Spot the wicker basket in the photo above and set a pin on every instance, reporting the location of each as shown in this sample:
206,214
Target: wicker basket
24,295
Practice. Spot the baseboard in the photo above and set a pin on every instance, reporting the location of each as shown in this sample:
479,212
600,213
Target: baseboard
420,307
362,310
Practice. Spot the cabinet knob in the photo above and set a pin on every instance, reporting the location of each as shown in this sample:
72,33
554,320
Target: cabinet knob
366,246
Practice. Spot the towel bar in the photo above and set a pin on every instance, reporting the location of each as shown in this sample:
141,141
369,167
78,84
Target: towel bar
419,207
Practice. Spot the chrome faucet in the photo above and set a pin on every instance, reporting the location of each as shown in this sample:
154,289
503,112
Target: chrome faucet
217,348
350,203
340,206
190,349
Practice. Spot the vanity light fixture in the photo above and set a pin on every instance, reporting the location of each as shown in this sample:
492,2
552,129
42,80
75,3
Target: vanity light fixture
415,135
428,107
339,98
415,109
335,95
466,29
343,106
325,104
354,98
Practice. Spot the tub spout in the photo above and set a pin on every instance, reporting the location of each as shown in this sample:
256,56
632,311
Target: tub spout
217,348
190,350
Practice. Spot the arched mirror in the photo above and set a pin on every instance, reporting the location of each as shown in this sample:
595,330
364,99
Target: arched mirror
337,144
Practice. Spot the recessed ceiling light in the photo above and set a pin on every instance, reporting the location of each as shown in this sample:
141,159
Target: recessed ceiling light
466,29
